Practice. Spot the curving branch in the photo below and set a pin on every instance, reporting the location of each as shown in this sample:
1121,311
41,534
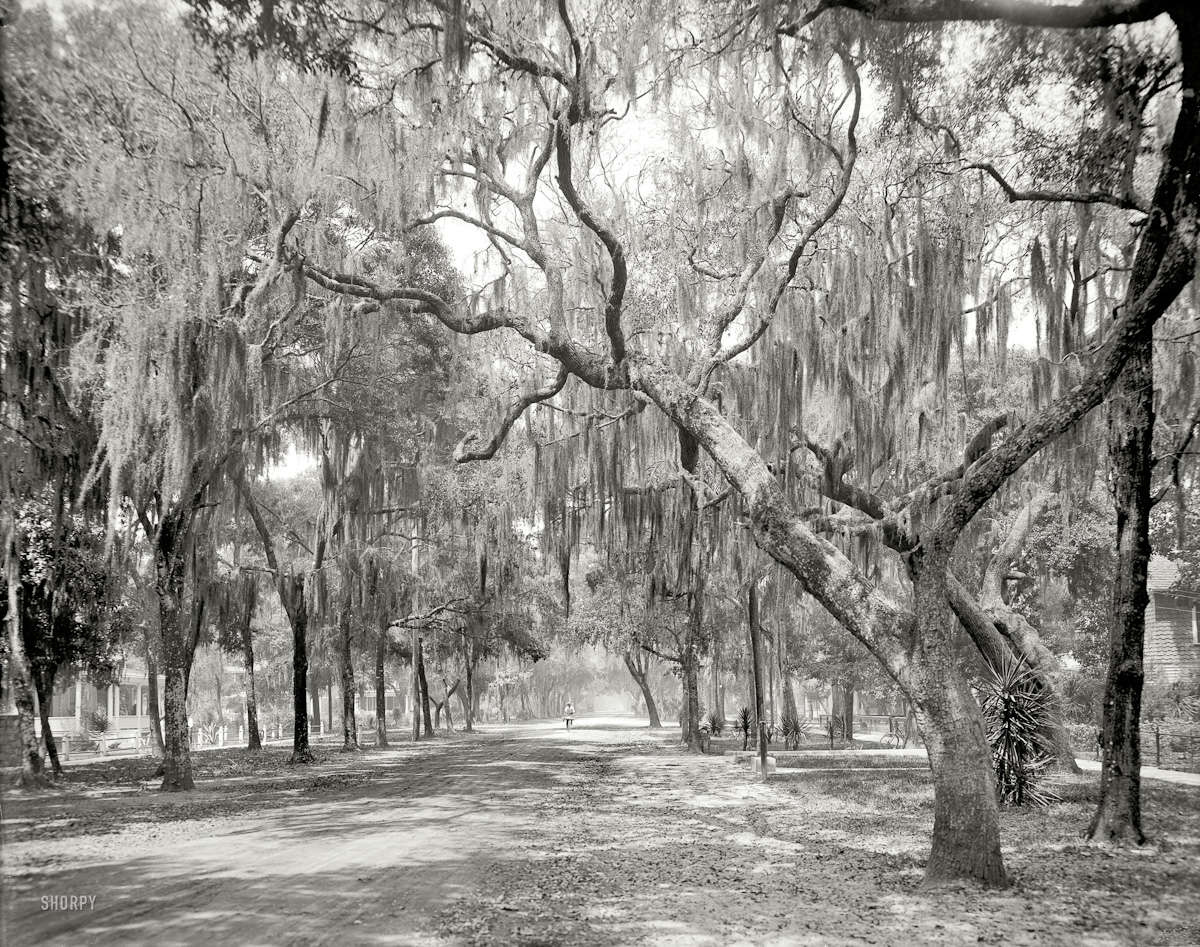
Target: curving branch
577,110
616,253
1126,201
588,366
463,453
490,229
1017,12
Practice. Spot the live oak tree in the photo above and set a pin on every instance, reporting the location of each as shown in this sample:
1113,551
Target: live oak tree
556,88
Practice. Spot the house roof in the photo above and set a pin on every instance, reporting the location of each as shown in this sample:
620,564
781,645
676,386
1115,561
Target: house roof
1161,573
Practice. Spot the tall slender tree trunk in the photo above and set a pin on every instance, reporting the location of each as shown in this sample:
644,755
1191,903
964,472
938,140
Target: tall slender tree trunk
1131,431
349,686
424,685
381,738
44,683
966,821
297,610
156,734
253,737
754,629
848,708
637,671
469,707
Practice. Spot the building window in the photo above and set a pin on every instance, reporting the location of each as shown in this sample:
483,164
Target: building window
390,702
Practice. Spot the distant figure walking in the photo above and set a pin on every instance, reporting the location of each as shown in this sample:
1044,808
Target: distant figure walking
569,713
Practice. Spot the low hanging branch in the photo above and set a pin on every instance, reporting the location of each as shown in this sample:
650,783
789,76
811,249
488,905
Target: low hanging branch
1124,201
1018,12
420,619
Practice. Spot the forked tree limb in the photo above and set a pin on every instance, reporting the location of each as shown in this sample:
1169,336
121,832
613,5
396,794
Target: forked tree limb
464,452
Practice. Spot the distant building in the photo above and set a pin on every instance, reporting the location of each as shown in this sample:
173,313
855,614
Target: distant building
1172,649
126,705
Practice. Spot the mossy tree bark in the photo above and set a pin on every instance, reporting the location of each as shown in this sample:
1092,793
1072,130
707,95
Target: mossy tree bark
170,572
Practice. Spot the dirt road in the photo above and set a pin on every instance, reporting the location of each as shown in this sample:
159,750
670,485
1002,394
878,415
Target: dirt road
530,835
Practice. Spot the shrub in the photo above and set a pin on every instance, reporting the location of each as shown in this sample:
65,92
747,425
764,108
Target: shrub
1015,711
715,724
795,730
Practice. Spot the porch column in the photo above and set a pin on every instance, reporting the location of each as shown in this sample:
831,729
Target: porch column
79,702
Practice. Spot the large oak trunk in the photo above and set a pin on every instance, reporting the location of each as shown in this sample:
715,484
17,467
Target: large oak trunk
966,820
177,759
1131,430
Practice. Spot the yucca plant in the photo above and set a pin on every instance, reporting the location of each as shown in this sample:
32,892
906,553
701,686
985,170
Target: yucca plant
99,729
795,730
715,724
1015,711
744,725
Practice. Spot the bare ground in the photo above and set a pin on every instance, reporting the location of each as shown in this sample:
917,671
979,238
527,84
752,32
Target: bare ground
532,836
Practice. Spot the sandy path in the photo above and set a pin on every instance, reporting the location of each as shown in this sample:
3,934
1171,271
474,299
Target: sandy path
368,865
